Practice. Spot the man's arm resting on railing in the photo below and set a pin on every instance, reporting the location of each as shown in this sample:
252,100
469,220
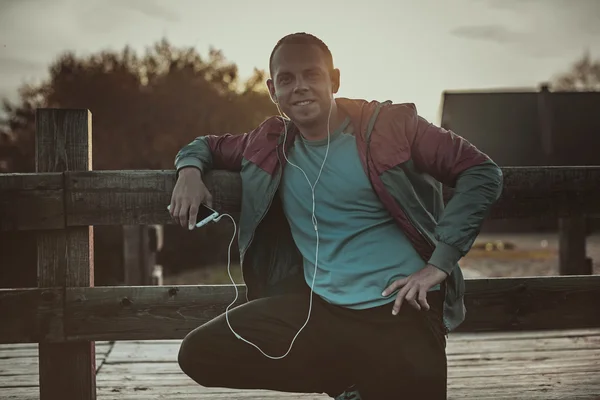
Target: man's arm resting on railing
211,151
192,162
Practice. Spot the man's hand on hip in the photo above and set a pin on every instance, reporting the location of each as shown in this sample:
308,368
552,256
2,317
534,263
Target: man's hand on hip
414,288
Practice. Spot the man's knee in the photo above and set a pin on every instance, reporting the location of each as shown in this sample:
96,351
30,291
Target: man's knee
184,358
431,382
193,358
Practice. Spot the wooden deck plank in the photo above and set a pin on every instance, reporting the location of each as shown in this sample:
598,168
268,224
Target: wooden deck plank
522,335
457,375
6,346
582,385
19,364
533,365
17,352
156,351
28,365
465,369
176,393
560,393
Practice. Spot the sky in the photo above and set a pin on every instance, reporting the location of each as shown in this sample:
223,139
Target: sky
399,50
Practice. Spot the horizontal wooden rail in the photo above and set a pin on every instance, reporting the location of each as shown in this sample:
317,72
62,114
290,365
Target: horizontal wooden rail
34,201
169,312
31,315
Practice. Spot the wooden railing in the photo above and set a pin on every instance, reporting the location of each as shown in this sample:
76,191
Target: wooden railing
65,314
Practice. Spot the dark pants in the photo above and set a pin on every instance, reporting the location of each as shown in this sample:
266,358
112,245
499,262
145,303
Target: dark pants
385,356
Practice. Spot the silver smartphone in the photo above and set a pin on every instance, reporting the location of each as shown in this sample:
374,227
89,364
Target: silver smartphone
205,215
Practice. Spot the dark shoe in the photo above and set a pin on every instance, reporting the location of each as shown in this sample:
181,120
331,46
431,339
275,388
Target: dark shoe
350,394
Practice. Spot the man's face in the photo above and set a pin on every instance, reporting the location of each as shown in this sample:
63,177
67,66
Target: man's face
302,83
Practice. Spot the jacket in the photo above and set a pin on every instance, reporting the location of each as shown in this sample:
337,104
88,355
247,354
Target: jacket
407,160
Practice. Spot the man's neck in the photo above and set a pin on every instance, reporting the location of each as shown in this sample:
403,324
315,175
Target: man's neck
319,131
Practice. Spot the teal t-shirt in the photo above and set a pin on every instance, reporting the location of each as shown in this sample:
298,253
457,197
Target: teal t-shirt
361,248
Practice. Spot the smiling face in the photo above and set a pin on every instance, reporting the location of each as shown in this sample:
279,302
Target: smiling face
303,84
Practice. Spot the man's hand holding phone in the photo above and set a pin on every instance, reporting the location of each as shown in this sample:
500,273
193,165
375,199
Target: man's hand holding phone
189,194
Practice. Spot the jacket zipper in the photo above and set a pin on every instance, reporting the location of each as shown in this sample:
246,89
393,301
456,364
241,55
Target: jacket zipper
271,196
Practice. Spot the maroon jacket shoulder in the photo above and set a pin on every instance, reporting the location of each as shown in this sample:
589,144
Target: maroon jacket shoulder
439,152
228,150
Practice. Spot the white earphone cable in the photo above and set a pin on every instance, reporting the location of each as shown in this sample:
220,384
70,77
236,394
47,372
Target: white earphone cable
315,226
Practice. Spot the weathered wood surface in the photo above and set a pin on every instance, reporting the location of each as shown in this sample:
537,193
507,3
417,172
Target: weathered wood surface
141,197
140,244
31,315
548,192
138,312
549,302
138,197
503,304
65,256
572,246
518,365
18,360
169,312
31,201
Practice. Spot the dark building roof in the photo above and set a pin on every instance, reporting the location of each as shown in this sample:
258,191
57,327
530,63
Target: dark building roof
528,128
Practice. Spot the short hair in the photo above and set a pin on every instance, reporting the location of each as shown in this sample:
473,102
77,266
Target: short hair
303,38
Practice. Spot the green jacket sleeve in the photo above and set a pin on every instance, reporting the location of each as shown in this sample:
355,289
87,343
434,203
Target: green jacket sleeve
208,152
477,183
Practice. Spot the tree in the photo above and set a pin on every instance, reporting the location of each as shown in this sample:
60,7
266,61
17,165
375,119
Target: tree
144,108
584,75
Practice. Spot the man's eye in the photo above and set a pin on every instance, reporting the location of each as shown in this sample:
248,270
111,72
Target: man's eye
284,80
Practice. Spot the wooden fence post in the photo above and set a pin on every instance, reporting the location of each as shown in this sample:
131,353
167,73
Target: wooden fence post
132,255
571,230
65,256
572,247
140,245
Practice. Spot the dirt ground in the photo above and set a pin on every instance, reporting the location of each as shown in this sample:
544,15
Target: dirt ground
532,255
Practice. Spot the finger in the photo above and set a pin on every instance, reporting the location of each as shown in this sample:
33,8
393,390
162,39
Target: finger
423,299
183,213
411,297
175,211
399,299
193,215
415,304
394,286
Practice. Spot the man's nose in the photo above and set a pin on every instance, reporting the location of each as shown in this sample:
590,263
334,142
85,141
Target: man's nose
301,85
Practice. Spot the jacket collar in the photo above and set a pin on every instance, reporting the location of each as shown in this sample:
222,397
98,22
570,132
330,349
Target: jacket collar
358,110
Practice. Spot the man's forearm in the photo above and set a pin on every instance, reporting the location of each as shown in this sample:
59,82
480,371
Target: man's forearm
477,188
195,154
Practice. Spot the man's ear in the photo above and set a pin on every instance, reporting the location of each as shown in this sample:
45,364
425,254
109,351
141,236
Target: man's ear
335,80
271,87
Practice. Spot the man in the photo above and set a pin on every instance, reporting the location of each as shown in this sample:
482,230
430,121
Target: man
387,287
